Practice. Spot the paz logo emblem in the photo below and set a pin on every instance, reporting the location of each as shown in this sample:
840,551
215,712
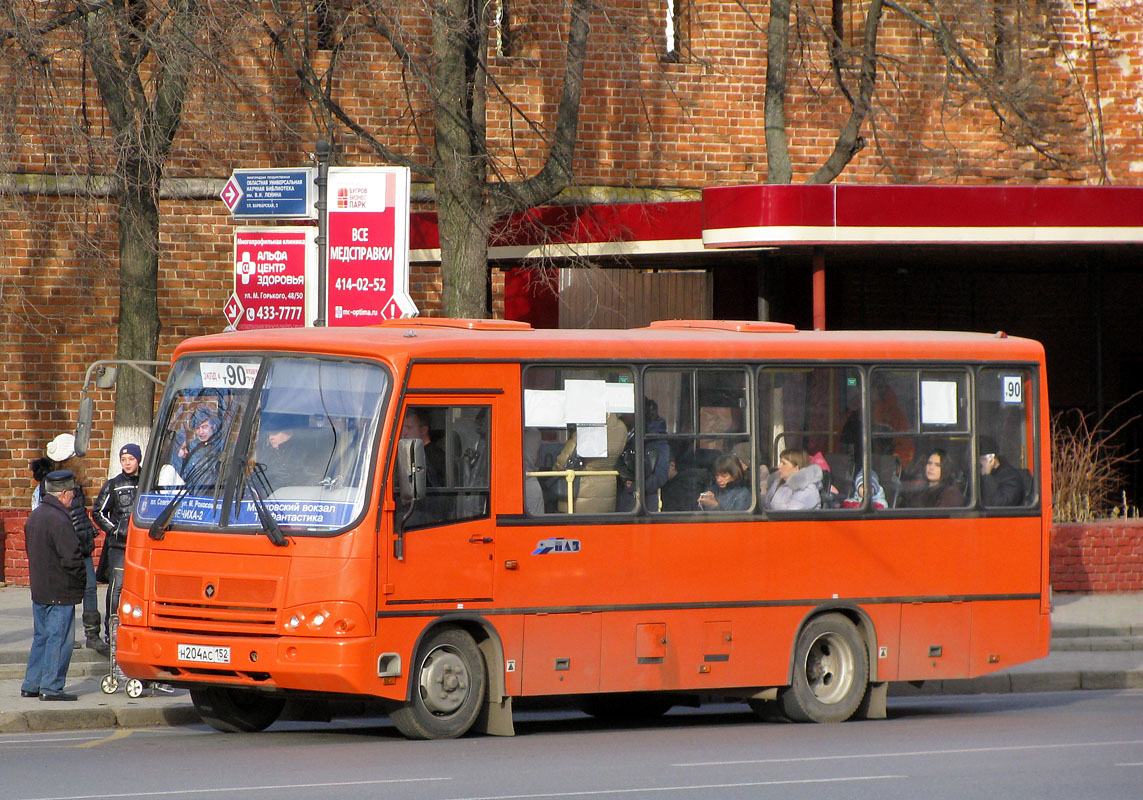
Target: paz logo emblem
209,590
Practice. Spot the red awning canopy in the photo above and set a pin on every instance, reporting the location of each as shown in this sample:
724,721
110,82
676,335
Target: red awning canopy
835,214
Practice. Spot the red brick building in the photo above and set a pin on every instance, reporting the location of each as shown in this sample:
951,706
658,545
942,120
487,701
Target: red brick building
672,105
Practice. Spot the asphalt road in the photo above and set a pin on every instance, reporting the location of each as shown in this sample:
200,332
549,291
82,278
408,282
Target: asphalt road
1041,746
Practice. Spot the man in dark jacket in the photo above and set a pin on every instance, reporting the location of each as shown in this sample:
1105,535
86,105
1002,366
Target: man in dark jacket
1001,484
61,450
111,512
58,578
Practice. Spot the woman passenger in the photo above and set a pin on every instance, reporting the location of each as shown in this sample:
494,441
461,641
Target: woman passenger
798,485
937,490
730,490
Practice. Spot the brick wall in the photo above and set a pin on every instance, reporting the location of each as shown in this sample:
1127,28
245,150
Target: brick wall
14,568
645,124
1098,557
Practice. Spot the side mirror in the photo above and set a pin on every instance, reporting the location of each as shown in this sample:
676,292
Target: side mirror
411,481
83,425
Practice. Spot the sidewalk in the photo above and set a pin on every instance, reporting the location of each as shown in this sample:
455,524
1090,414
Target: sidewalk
1097,643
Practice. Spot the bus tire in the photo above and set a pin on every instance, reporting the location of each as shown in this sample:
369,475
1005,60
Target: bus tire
831,672
236,710
449,684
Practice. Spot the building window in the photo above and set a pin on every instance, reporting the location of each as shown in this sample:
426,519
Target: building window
324,24
676,29
502,22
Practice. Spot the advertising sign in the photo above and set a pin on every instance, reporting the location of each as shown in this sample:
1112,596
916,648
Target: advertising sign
272,268
271,193
368,248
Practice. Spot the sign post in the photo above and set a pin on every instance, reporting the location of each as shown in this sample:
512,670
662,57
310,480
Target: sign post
367,250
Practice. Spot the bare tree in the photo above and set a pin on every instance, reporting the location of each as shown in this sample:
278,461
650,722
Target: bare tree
996,55
143,55
447,67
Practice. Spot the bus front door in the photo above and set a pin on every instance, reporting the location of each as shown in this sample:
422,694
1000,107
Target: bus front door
448,537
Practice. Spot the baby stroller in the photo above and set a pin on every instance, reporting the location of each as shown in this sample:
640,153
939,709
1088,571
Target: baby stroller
110,682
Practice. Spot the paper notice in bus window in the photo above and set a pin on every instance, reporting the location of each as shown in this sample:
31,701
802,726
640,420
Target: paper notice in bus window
938,402
544,408
620,398
586,402
228,375
591,441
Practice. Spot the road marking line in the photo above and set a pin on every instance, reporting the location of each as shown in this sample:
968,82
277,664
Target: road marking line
998,749
268,787
648,789
119,734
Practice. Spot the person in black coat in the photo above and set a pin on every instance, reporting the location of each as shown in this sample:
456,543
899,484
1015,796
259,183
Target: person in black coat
61,451
58,578
1000,483
111,512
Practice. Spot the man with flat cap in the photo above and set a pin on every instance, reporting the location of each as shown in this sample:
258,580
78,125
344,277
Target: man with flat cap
58,577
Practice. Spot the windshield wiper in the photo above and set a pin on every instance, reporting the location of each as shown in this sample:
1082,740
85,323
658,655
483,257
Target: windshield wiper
270,525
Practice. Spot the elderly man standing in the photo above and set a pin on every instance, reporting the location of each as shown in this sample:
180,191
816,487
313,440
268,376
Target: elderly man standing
58,578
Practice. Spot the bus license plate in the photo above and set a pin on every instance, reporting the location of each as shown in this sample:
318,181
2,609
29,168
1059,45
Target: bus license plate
209,655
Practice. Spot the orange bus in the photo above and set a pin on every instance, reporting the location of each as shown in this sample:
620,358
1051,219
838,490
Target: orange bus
444,515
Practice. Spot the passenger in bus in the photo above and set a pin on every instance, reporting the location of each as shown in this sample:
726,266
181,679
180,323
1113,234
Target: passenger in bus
797,485
656,458
595,494
196,457
416,426
877,497
285,456
730,490
937,487
684,483
533,492
1000,483
887,413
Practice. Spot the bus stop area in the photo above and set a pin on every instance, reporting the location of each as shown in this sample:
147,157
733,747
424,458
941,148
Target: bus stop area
1097,643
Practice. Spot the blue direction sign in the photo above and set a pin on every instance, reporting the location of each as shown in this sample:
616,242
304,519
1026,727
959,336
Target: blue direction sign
271,194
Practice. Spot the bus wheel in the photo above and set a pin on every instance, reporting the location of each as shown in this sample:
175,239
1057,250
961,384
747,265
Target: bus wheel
236,710
450,685
831,672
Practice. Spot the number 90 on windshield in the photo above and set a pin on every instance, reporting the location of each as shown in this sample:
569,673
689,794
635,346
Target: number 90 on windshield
228,374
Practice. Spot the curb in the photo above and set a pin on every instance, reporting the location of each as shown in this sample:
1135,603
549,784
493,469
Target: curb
83,718
1024,682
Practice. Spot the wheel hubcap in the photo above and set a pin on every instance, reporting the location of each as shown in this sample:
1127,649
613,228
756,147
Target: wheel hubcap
829,668
444,681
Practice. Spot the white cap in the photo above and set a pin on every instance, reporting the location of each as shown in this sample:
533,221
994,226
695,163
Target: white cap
61,448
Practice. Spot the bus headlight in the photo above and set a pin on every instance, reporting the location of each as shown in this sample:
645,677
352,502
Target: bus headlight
131,609
325,619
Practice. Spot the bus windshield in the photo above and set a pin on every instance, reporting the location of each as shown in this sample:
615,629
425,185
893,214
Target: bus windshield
242,436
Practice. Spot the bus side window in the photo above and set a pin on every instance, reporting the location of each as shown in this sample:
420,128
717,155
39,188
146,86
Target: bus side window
815,411
456,441
574,434
1007,435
